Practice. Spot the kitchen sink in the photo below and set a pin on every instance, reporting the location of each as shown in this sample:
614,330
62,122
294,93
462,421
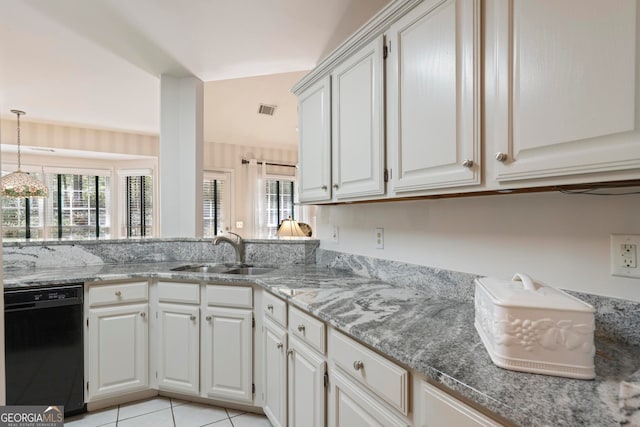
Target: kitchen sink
249,271
242,270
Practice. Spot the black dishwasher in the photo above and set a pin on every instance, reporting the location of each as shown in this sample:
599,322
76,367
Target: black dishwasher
44,347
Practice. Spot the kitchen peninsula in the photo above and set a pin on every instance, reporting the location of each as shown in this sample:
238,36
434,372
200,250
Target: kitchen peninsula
424,324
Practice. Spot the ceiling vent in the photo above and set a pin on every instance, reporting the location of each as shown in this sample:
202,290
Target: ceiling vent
267,109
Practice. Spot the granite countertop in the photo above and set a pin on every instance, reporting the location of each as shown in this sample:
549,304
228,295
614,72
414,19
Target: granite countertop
432,335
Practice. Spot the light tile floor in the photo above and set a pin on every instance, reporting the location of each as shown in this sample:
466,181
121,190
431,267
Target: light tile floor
165,412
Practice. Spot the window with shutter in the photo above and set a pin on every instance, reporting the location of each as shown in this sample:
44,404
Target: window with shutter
216,203
78,207
279,202
138,213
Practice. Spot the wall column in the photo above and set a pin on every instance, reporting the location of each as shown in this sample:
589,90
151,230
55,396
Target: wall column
181,156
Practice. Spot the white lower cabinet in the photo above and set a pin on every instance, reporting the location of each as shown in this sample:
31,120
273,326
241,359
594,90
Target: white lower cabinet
366,389
274,379
178,348
438,409
204,339
307,379
227,354
351,406
117,352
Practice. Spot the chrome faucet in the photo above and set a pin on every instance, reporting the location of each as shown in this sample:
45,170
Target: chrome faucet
238,245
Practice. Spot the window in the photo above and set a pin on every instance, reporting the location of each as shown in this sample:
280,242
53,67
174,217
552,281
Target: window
138,215
77,208
279,202
216,203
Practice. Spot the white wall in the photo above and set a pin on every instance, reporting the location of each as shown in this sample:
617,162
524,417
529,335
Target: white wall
562,240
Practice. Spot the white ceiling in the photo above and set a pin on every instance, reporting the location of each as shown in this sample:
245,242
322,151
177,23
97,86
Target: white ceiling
96,63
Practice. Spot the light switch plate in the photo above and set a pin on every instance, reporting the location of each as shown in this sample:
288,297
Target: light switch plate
335,238
379,238
624,255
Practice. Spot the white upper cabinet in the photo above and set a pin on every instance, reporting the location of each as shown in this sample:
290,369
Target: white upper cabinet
561,89
358,124
433,101
314,148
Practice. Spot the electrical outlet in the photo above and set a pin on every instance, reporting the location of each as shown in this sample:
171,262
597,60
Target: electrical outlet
334,235
624,255
379,238
239,225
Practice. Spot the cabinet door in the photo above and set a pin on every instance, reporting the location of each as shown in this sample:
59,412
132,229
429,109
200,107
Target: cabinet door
439,409
306,379
562,88
274,344
178,348
433,96
118,346
351,406
227,354
314,148
358,124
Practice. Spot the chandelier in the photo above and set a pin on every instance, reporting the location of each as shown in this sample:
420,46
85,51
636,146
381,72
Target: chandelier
20,184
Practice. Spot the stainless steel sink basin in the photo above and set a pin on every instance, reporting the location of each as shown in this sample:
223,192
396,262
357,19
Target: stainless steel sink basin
249,271
223,269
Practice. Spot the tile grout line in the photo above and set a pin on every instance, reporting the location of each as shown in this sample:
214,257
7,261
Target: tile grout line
173,417
228,416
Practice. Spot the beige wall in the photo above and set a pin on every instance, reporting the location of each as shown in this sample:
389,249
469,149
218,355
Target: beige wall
562,240
76,138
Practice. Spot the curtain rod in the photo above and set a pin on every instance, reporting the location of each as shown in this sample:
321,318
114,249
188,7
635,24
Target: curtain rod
246,162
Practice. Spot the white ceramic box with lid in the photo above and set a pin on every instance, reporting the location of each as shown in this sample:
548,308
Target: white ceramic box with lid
529,327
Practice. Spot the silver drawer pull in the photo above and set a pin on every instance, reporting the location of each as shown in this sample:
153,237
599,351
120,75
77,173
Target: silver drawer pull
143,314
301,328
118,293
208,318
468,163
289,352
357,365
279,345
270,307
193,318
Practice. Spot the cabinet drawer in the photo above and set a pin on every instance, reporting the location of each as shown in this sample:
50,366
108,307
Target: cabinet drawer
381,376
118,293
309,329
185,293
275,309
230,296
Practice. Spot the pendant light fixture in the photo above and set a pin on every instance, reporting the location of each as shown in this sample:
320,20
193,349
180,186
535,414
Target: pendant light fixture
20,184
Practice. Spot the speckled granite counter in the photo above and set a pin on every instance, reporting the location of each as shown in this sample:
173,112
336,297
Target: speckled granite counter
433,335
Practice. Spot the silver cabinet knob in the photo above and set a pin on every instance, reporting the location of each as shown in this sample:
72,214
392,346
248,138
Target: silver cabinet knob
270,307
468,163
358,364
324,188
118,293
301,328
208,318
289,352
143,314
336,186
279,345
193,318
501,157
